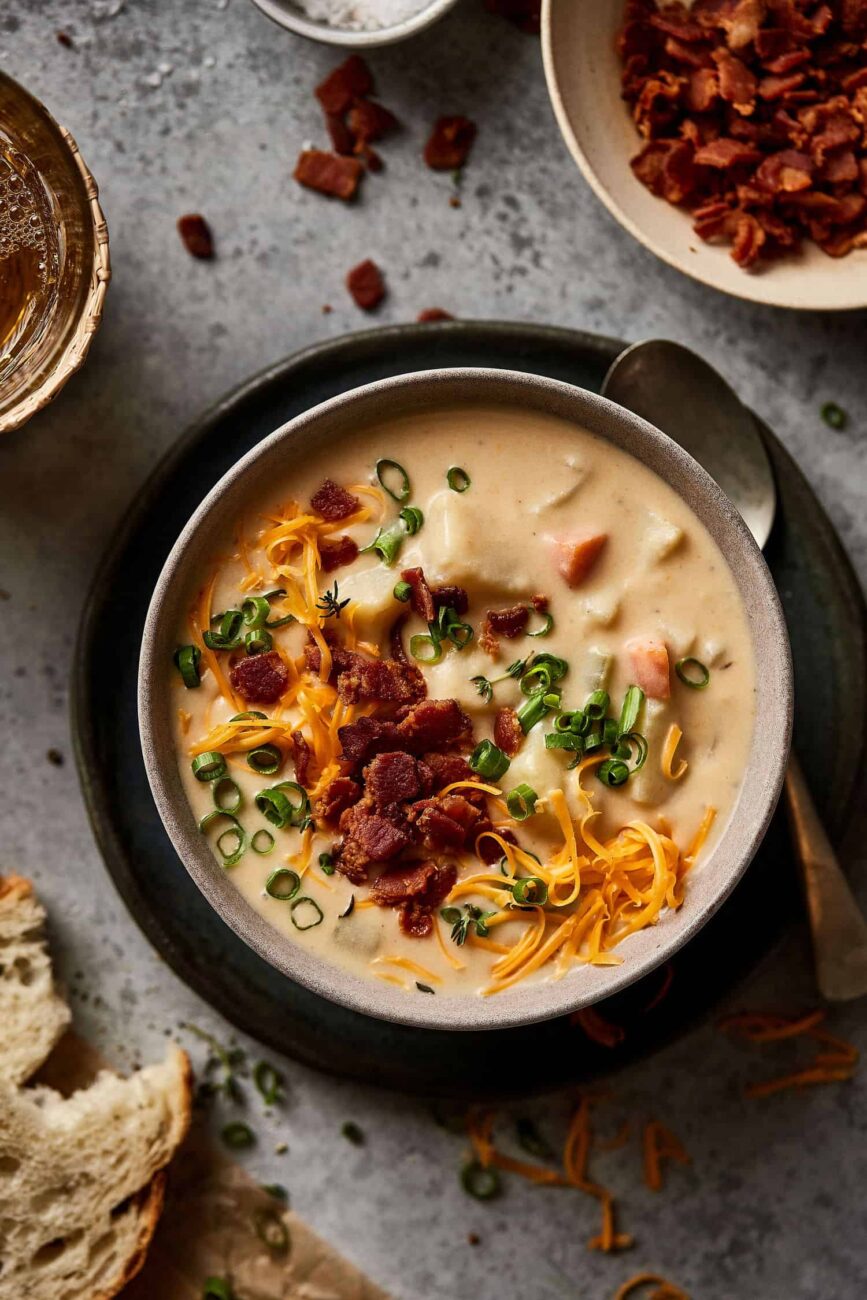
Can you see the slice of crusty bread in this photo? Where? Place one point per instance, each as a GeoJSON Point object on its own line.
{"type": "Point", "coordinates": [32, 1014]}
{"type": "Point", "coordinates": [81, 1180]}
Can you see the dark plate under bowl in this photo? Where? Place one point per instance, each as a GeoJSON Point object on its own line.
{"type": "Point", "coordinates": [828, 627]}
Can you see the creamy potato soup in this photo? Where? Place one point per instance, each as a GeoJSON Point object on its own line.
{"type": "Point", "coordinates": [465, 701]}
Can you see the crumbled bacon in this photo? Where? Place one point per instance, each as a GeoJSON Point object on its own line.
{"type": "Point", "coordinates": [366, 285]}
{"type": "Point", "coordinates": [450, 597]}
{"type": "Point", "coordinates": [421, 599]}
{"type": "Point", "coordinates": [489, 850]}
{"type": "Point", "coordinates": [196, 235]}
{"type": "Point", "coordinates": [351, 80]}
{"type": "Point", "coordinates": [332, 502]}
{"type": "Point", "coordinates": [368, 736]}
{"type": "Point", "coordinates": [368, 121]}
{"type": "Point", "coordinates": [753, 118]}
{"type": "Point", "coordinates": [361, 677]}
{"type": "Point", "coordinates": [329, 173]}
{"type": "Point", "coordinates": [303, 755]}
{"type": "Point", "coordinates": [417, 889]}
{"type": "Point", "coordinates": [508, 733]}
{"type": "Point", "coordinates": [395, 777]}
{"type": "Point", "coordinates": [435, 724]}
{"type": "Point", "coordinates": [429, 314]}
{"type": "Point", "coordinates": [336, 554]}
{"type": "Point", "coordinates": [450, 143]}
{"type": "Point", "coordinates": [502, 622]}
{"type": "Point", "coordinates": [260, 679]}
{"type": "Point", "coordinates": [341, 794]}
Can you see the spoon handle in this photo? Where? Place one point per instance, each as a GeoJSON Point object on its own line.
{"type": "Point", "coordinates": [837, 924]}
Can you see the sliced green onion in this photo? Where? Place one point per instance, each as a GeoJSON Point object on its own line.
{"type": "Point", "coordinates": [565, 740]}
{"type": "Point", "coordinates": [227, 795]}
{"type": "Point", "coordinates": [532, 711]}
{"type": "Point", "coordinates": [258, 641]}
{"type": "Point", "coordinates": [279, 809]}
{"type": "Point", "coordinates": [593, 740]}
{"type": "Point", "coordinates": [489, 761]}
{"type": "Point", "coordinates": [613, 772]}
{"type": "Point", "coordinates": [480, 1181]}
{"type": "Point", "coordinates": [348, 909]}
{"type": "Point", "coordinates": [628, 746]}
{"type": "Point", "coordinates": [312, 913]}
{"type": "Point", "coordinates": [458, 479]}
{"type": "Point", "coordinates": [521, 802]}
{"type": "Point", "coordinates": [272, 1231]}
{"type": "Point", "coordinates": [424, 988]}
{"type": "Point", "coordinates": [632, 702]}
{"type": "Point", "coordinates": [209, 766]}
{"type": "Point", "coordinates": [402, 591]}
{"type": "Point", "coordinates": [353, 1133]}
{"type": "Point", "coordinates": [231, 844]}
{"type": "Point", "coordinates": [574, 720]}
{"type": "Point", "coordinates": [262, 842]}
{"type": "Point", "coordinates": [692, 673]}
{"type": "Point", "coordinates": [448, 627]}
{"type": "Point", "coordinates": [547, 624]}
{"type": "Point", "coordinates": [530, 889]}
{"type": "Point", "coordinates": [217, 1288]}
{"type": "Point", "coordinates": [186, 659]}
{"type": "Point", "coordinates": [238, 1135]}
{"type": "Point", "coordinates": [326, 862]}
{"type": "Point", "coordinates": [834, 416]}
{"type": "Point", "coordinates": [412, 518]}
{"type": "Point", "coordinates": [542, 672]}
{"type": "Point", "coordinates": [249, 716]}
{"type": "Point", "coordinates": [267, 759]}
{"type": "Point", "coordinates": [392, 469]}
{"type": "Point", "coordinates": [228, 633]}
{"type": "Point", "coordinates": [425, 649]}
{"type": "Point", "coordinates": [269, 1081]}
{"type": "Point", "coordinates": [610, 732]}
{"type": "Point", "coordinates": [283, 884]}
{"type": "Point", "coordinates": [596, 706]}
{"type": "Point", "coordinates": [256, 611]}
{"type": "Point", "coordinates": [387, 543]}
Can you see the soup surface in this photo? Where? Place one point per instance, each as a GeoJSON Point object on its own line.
{"type": "Point", "coordinates": [462, 703]}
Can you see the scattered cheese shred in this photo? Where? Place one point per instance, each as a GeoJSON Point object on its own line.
{"type": "Point", "coordinates": [669, 749]}
{"type": "Point", "coordinates": [663, 1290]}
{"type": "Point", "coordinates": [836, 1065]}
{"type": "Point", "coordinates": [412, 966]}
{"type": "Point", "coordinates": [659, 1144]}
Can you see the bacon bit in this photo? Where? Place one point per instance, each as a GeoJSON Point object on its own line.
{"type": "Point", "coordinates": [433, 314]}
{"type": "Point", "coordinates": [260, 679]}
{"type": "Point", "coordinates": [351, 80]}
{"type": "Point", "coordinates": [450, 143]}
{"type": "Point", "coordinates": [303, 756]}
{"type": "Point", "coordinates": [454, 201]}
{"type": "Point", "coordinates": [659, 1144]}
{"type": "Point", "coordinates": [336, 554]}
{"type": "Point", "coordinates": [64, 39]}
{"type": "Point", "coordinates": [834, 1066]}
{"type": "Point", "coordinates": [421, 600]}
{"type": "Point", "coordinates": [597, 1028]}
{"type": "Point", "coordinates": [508, 733]}
{"type": "Point", "coordinates": [664, 1290]}
{"type": "Point", "coordinates": [366, 285]}
{"type": "Point", "coordinates": [368, 121]}
{"type": "Point", "coordinates": [332, 502]}
{"type": "Point", "coordinates": [342, 139]}
{"type": "Point", "coordinates": [525, 14]}
{"type": "Point", "coordinates": [196, 236]}
{"type": "Point", "coordinates": [329, 173]}
{"type": "Point", "coordinates": [508, 622]}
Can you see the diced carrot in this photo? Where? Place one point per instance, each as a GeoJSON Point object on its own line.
{"type": "Point", "coordinates": [650, 668]}
{"type": "Point", "coordinates": [574, 557]}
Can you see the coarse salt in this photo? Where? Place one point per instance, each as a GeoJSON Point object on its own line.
{"type": "Point", "coordinates": [361, 15]}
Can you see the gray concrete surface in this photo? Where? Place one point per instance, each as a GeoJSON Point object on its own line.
{"type": "Point", "coordinates": [199, 104]}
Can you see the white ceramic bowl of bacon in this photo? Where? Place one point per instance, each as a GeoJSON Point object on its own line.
{"type": "Point", "coordinates": [584, 69]}
{"type": "Point", "coordinates": [318, 432]}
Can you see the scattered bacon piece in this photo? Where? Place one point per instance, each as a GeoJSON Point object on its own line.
{"type": "Point", "coordinates": [489, 850]}
{"type": "Point", "coordinates": [351, 80]}
{"type": "Point", "coordinates": [752, 119]}
{"type": "Point", "coordinates": [260, 679]}
{"type": "Point", "coordinates": [450, 143]}
{"type": "Point", "coordinates": [395, 777]}
{"type": "Point", "coordinates": [368, 736]}
{"type": "Point", "coordinates": [508, 622]}
{"type": "Point", "coordinates": [525, 14]}
{"type": "Point", "coordinates": [368, 121]}
{"type": "Point", "coordinates": [436, 724]}
{"type": "Point", "coordinates": [342, 139]}
{"type": "Point", "coordinates": [433, 314]}
{"type": "Point", "coordinates": [329, 173]}
{"type": "Point", "coordinates": [451, 597]}
{"type": "Point", "coordinates": [508, 733]}
{"type": "Point", "coordinates": [196, 235]}
{"type": "Point", "coordinates": [445, 769]}
{"type": "Point", "coordinates": [63, 38]}
{"type": "Point", "coordinates": [421, 601]}
{"type": "Point", "coordinates": [366, 285]}
{"type": "Point", "coordinates": [303, 756]}
{"type": "Point", "coordinates": [333, 502]}
{"type": "Point", "coordinates": [574, 557]}
{"type": "Point", "coordinates": [336, 554]}
{"type": "Point", "coordinates": [360, 677]}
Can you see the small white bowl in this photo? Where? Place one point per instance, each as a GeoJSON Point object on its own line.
{"type": "Point", "coordinates": [583, 73]}
{"type": "Point", "coordinates": [289, 15]}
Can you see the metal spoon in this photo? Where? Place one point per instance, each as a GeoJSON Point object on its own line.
{"type": "Point", "coordinates": [676, 390]}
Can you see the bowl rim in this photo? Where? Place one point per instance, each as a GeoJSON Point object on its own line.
{"type": "Point", "coordinates": [282, 14]}
{"type": "Point", "coordinates": [764, 772]}
{"type": "Point", "coordinates": [695, 269]}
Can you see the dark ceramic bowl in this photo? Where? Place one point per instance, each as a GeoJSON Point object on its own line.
{"type": "Point", "coordinates": [763, 776]}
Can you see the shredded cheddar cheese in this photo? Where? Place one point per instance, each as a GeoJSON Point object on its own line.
{"type": "Point", "coordinates": [835, 1060]}
{"type": "Point", "coordinates": [659, 1144]}
{"type": "Point", "coordinates": [663, 1290]}
{"type": "Point", "coordinates": [669, 749]}
{"type": "Point", "coordinates": [412, 966]}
